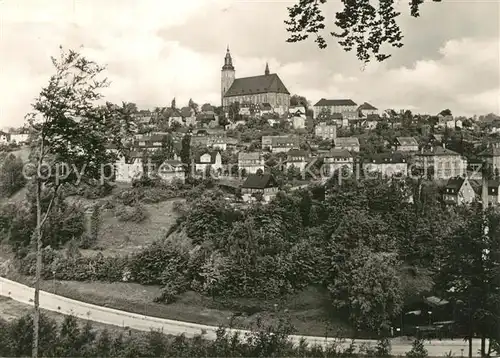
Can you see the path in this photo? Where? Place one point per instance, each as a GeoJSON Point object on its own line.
{"type": "Point", "coordinates": [63, 305]}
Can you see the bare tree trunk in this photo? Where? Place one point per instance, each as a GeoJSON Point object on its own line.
{"type": "Point", "coordinates": [38, 234]}
{"type": "Point", "coordinates": [483, 346]}
{"type": "Point", "coordinates": [470, 346]}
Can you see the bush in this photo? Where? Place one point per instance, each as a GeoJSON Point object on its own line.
{"type": "Point", "coordinates": [136, 213]}
{"type": "Point", "coordinates": [11, 176]}
{"type": "Point", "coordinates": [417, 350]}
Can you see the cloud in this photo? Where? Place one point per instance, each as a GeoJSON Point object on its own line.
{"type": "Point", "coordinates": [156, 50]}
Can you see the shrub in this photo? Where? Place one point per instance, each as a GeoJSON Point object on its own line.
{"type": "Point", "coordinates": [136, 213]}
{"type": "Point", "coordinates": [157, 263]}
{"type": "Point", "coordinates": [11, 176]}
{"type": "Point", "coordinates": [417, 350]}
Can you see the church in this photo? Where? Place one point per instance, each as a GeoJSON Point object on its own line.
{"type": "Point", "coordinates": [266, 88]}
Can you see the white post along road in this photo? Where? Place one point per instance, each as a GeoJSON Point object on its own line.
{"type": "Point", "coordinates": [64, 305]}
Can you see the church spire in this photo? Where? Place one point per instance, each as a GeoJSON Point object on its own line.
{"type": "Point", "coordinates": [228, 61]}
{"type": "Point", "coordinates": [266, 72]}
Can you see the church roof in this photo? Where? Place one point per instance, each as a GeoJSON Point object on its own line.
{"type": "Point", "coordinates": [256, 85]}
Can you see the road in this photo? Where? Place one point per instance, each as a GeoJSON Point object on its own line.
{"type": "Point", "coordinates": [63, 305]}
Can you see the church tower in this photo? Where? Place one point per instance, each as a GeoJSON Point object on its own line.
{"type": "Point", "coordinates": [227, 75]}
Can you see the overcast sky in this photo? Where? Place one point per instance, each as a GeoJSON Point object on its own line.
{"type": "Point", "coordinates": [157, 50]}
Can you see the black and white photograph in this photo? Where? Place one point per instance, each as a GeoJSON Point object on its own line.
{"type": "Point", "coordinates": [250, 178]}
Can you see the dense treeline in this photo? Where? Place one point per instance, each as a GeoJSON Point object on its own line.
{"type": "Point", "coordinates": [70, 339]}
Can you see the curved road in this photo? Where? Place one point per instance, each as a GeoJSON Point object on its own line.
{"type": "Point", "coordinates": [51, 302]}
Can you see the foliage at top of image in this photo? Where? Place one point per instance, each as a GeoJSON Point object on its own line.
{"type": "Point", "coordinates": [364, 27]}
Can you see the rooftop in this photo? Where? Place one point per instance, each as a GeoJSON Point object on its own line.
{"type": "Point", "coordinates": [256, 85]}
{"type": "Point", "coordinates": [334, 102]}
{"type": "Point", "coordinates": [259, 181]}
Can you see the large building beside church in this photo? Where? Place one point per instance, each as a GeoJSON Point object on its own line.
{"type": "Point", "coordinates": [266, 88]}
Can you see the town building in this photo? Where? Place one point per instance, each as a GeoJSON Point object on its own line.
{"type": "Point", "coordinates": [284, 144]}
{"type": "Point", "coordinates": [336, 159]}
{"type": "Point", "coordinates": [250, 163]}
{"type": "Point", "coordinates": [349, 143]}
{"type": "Point", "coordinates": [267, 88]}
{"type": "Point", "coordinates": [442, 162]}
{"type": "Point", "coordinates": [366, 109]}
{"type": "Point", "coordinates": [298, 122]}
{"type": "Point", "coordinates": [208, 161]}
{"type": "Point", "coordinates": [262, 184]}
{"type": "Point", "coordinates": [406, 144]}
{"type": "Point", "coordinates": [297, 159]}
{"type": "Point", "coordinates": [329, 106]}
{"type": "Point", "coordinates": [388, 164]}
{"type": "Point", "coordinates": [129, 167]}
{"type": "Point", "coordinates": [325, 131]}
{"type": "Point", "coordinates": [459, 191]}
{"type": "Point", "coordinates": [490, 192]}
{"type": "Point", "coordinates": [492, 155]}
{"type": "Point", "coordinates": [171, 170]}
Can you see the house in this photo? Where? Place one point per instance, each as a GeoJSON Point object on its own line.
{"type": "Point", "coordinates": [491, 190]}
{"type": "Point", "coordinates": [336, 159]}
{"type": "Point", "coordinates": [284, 144]}
{"type": "Point", "coordinates": [492, 155]}
{"type": "Point", "coordinates": [298, 122]}
{"type": "Point", "coordinates": [388, 164]}
{"type": "Point", "coordinates": [334, 106]}
{"type": "Point", "coordinates": [250, 163]}
{"type": "Point", "coordinates": [366, 108]}
{"type": "Point", "coordinates": [4, 137]}
{"type": "Point", "coordinates": [324, 131]}
{"type": "Point", "coordinates": [371, 121]}
{"type": "Point", "coordinates": [444, 163]}
{"type": "Point", "coordinates": [175, 117]}
{"type": "Point", "coordinates": [208, 160]}
{"type": "Point", "coordinates": [459, 191]}
{"type": "Point", "coordinates": [437, 138]}
{"type": "Point", "coordinates": [406, 144]}
{"type": "Point", "coordinates": [172, 170]}
{"type": "Point", "coordinates": [262, 184]}
{"type": "Point", "coordinates": [297, 158]}
{"type": "Point", "coordinates": [19, 138]}
{"type": "Point", "coordinates": [349, 143]}
{"type": "Point", "coordinates": [217, 143]}
{"type": "Point", "coordinates": [297, 111]}
{"type": "Point", "coordinates": [150, 142]}
{"type": "Point", "coordinates": [129, 167]}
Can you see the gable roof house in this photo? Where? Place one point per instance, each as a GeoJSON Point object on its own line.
{"type": "Point", "coordinates": [366, 109]}
{"type": "Point", "coordinates": [263, 184]}
{"type": "Point", "coordinates": [172, 170]}
{"type": "Point", "coordinates": [406, 144]}
{"type": "Point", "coordinates": [284, 144]}
{"type": "Point", "coordinates": [205, 160]}
{"type": "Point", "coordinates": [349, 143]}
{"type": "Point", "coordinates": [492, 155]}
{"type": "Point", "coordinates": [459, 191]}
{"type": "Point", "coordinates": [129, 167]}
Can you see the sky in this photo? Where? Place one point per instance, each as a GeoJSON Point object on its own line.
{"type": "Point", "coordinates": [156, 50]}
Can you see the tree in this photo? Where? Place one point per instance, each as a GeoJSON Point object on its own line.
{"type": "Point", "coordinates": [363, 26]}
{"type": "Point", "coordinates": [445, 112]}
{"type": "Point", "coordinates": [70, 133]}
{"type": "Point", "coordinates": [473, 285]}
{"type": "Point", "coordinates": [11, 175]}
{"type": "Point", "coordinates": [297, 100]}
{"type": "Point", "coordinates": [193, 105]}
{"type": "Point", "coordinates": [172, 105]}
{"type": "Point", "coordinates": [234, 111]}
{"type": "Point", "coordinates": [186, 152]}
